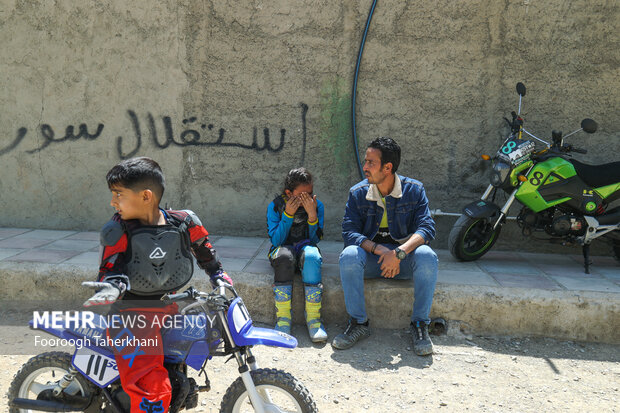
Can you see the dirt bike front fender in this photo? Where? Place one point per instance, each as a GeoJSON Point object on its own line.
{"type": "Point", "coordinates": [267, 337]}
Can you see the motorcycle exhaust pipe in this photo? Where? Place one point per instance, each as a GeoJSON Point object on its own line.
{"type": "Point", "coordinates": [47, 405]}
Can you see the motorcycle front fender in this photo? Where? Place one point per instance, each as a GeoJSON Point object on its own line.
{"type": "Point", "coordinates": [481, 209]}
{"type": "Point", "coordinates": [245, 334]}
{"type": "Point", "coordinates": [267, 337]}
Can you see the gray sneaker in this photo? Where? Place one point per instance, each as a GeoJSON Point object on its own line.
{"type": "Point", "coordinates": [422, 344]}
{"type": "Point", "coordinates": [351, 335]}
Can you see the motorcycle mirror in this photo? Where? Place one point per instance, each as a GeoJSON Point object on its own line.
{"type": "Point", "coordinates": [589, 125]}
{"type": "Point", "coordinates": [521, 89]}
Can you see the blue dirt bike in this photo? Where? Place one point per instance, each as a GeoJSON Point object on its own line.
{"type": "Point", "coordinates": [212, 324]}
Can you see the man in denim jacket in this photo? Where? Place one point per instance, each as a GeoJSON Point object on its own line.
{"type": "Point", "coordinates": [386, 229]}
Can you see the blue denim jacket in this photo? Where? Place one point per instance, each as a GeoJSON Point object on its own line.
{"type": "Point", "coordinates": [407, 212]}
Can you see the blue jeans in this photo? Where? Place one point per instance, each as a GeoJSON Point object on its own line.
{"type": "Point", "coordinates": [356, 265]}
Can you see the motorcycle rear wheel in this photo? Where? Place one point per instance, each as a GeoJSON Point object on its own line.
{"type": "Point", "coordinates": [41, 373]}
{"type": "Point", "coordinates": [286, 392]}
{"type": "Point", "coordinates": [471, 238]}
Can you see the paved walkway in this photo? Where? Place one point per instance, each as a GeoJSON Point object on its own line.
{"type": "Point", "coordinates": [502, 293]}
{"type": "Point", "coordinates": [249, 255]}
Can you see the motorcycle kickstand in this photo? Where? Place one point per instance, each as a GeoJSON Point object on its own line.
{"type": "Point", "coordinates": [586, 257]}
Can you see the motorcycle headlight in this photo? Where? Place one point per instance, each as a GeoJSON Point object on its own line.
{"type": "Point", "coordinates": [500, 172]}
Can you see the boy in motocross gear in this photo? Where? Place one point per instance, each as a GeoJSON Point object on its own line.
{"type": "Point", "coordinates": [295, 226]}
{"type": "Point", "coordinates": [146, 253]}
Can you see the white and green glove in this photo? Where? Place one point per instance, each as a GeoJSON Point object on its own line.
{"type": "Point", "coordinates": [106, 291]}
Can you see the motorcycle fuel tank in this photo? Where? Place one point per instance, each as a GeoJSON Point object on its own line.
{"type": "Point", "coordinates": [550, 172]}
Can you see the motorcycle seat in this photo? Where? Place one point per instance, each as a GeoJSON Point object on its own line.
{"type": "Point", "coordinates": [596, 176]}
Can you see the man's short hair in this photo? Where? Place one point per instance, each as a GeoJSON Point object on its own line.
{"type": "Point", "coordinates": [138, 174]}
{"type": "Point", "coordinates": [296, 177]}
{"type": "Point", "coordinates": [390, 151]}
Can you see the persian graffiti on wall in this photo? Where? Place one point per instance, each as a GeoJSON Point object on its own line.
{"type": "Point", "coordinates": [192, 133]}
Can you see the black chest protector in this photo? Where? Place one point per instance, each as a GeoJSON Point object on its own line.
{"type": "Point", "coordinates": [158, 259]}
{"type": "Point", "coordinates": [299, 229]}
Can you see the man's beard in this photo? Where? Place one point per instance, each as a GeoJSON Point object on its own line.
{"type": "Point", "coordinates": [372, 180]}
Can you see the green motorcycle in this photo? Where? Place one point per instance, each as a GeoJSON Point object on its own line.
{"type": "Point", "coordinates": [562, 197]}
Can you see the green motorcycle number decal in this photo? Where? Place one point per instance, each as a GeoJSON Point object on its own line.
{"type": "Point", "coordinates": [536, 178]}
{"type": "Point", "coordinates": [509, 147]}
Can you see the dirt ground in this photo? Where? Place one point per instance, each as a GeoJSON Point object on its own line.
{"type": "Point", "coordinates": [382, 374]}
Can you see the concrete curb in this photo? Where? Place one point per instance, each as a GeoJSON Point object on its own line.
{"type": "Point", "coordinates": [583, 315]}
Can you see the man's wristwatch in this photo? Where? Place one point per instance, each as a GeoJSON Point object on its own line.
{"type": "Point", "coordinates": [400, 254]}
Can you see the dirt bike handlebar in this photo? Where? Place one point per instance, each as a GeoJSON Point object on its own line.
{"type": "Point", "coordinates": [191, 292]}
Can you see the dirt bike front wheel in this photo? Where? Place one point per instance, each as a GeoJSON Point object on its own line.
{"type": "Point", "coordinates": [471, 238]}
{"type": "Point", "coordinates": [38, 377]}
{"type": "Point", "coordinates": [280, 391]}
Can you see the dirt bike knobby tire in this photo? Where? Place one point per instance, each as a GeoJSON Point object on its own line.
{"type": "Point", "coordinates": [272, 377]}
{"type": "Point", "coordinates": [51, 359]}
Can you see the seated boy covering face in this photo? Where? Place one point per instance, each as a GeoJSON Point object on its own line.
{"type": "Point", "coordinates": [146, 253]}
{"type": "Point", "coordinates": [295, 227]}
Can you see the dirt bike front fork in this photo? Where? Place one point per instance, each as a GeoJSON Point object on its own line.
{"type": "Point", "coordinates": [255, 398]}
{"type": "Point", "coordinates": [251, 360]}
{"type": "Point", "coordinates": [505, 208]}
{"type": "Point", "coordinates": [487, 192]}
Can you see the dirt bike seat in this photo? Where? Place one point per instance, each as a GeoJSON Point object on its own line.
{"type": "Point", "coordinates": [596, 176]}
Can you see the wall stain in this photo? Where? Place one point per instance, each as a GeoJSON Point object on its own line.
{"type": "Point", "coordinates": [335, 124]}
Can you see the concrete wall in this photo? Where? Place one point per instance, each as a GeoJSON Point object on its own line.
{"type": "Point", "coordinates": [229, 95]}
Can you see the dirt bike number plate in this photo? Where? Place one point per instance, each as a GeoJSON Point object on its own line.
{"type": "Point", "coordinates": [516, 150]}
{"type": "Point", "coordinates": [98, 368]}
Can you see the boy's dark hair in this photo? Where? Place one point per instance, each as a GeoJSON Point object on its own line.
{"type": "Point", "coordinates": [390, 151]}
{"type": "Point", "coordinates": [138, 174]}
{"type": "Point", "coordinates": [296, 177]}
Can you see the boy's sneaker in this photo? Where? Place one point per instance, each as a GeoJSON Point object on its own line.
{"type": "Point", "coordinates": [422, 344]}
{"type": "Point", "coordinates": [351, 335]}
